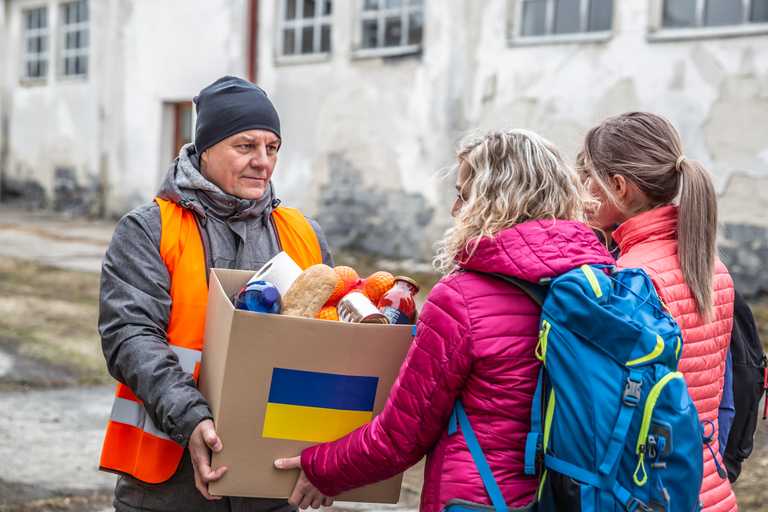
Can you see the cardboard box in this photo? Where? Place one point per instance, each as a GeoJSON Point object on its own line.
{"type": "Point", "coordinates": [260, 372]}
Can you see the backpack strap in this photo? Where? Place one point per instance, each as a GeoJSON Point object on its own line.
{"type": "Point", "coordinates": [537, 292]}
{"type": "Point", "coordinates": [534, 447]}
{"type": "Point", "coordinates": [459, 418]}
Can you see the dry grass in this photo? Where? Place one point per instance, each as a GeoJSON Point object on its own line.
{"type": "Point", "coordinates": [49, 315]}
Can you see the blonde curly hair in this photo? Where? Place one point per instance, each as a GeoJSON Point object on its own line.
{"type": "Point", "coordinates": [512, 177]}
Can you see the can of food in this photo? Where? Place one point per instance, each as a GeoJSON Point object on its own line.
{"type": "Point", "coordinates": [355, 307]}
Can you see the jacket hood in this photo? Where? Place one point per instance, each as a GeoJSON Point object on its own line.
{"type": "Point", "coordinates": [538, 249]}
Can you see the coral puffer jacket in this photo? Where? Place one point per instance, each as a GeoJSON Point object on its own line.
{"type": "Point", "coordinates": [649, 241]}
{"type": "Point", "coordinates": [475, 341]}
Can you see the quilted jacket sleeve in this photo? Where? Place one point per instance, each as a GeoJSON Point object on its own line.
{"type": "Point", "coordinates": [418, 407]}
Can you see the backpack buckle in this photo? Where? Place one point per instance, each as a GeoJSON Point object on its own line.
{"type": "Point", "coordinates": [632, 392]}
{"type": "Point", "coordinates": [635, 505]}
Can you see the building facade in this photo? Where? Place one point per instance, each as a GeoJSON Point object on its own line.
{"type": "Point", "coordinates": [375, 94]}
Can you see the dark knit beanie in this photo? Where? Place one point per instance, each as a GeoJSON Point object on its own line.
{"type": "Point", "coordinates": [232, 105]}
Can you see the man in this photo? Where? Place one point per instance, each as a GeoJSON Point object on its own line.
{"type": "Point", "coordinates": [216, 208]}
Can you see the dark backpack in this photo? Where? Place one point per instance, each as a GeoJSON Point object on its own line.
{"type": "Point", "coordinates": [749, 385]}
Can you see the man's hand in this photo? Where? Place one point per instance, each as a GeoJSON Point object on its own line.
{"type": "Point", "coordinates": [304, 493]}
{"type": "Point", "coordinates": [201, 442]}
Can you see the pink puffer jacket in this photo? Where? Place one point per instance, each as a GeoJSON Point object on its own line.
{"type": "Point", "coordinates": [475, 341]}
{"type": "Point", "coordinates": [649, 241]}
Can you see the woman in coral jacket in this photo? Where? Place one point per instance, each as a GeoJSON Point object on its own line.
{"type": "Point", "coordinates": [518, 212]}
{"type": "Point", "coordinates": [635, 165]}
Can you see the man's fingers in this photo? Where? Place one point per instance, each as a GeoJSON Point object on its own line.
{"type": "Point", "coordinates": [317, 501]}
{"type": "Point", "coordinates": [203, 488]}
{"type": "Point", "coordinates": [327, 501]}
{"type": "Point", "coordinates": [216, 474]}
{"type": "Point", "coordinates": [212, 440]}
{"type": "Point", "coordinates": [291, 463]}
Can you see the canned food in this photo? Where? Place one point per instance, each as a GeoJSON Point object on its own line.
{"type": "Point", "coordinates": [355, 307]}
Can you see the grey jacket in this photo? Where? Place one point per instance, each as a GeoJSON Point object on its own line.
{"type": "Point", "coordinates": [135, 305]}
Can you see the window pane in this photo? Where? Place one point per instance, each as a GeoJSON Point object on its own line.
{"type": "Point", "coordinates": [85, 36]}
{"type": "Point", "coordinates": [567, 16]}
{"type": "Point", "coordinates": [679, 13]}
{"type": "Point", "coordinates": [307, 39]}
{"type": "Point", "coordinates": [415, 27]}
{"type": "Point", "coordinates": [185, 124]}
{"type": "Point", "coordinates": [325, 38]}
{"type": "Point", "coordinates": [327, 7]}
{"type": "Point", "coordinates": [370, 34]}
{"type": "Point", "coordinates": [42, 67]}
{"type": "Point", "coordinates": [309, 9]}
{"type": "Point", "coordinates": [600, 15]}
{"type": "Point", "coordinates": [289, 43]}
{"type": "Point", "coordinates": [84, 11]}
{"type": "Point", "coordinates": [393, 4]}
{"type": "Point", "coordinates": [370, 5]}
{"type": "Point", "coordinates": [723, 12]}
{"type": "Point", "coordinates": [416, 2]}
{"type": "Point", "coordinates": [759, 12]}
{"type": "Point", "coordinates": [393, 31]}
{"type": "Point", "coordinates": [290, 9]}
{"type": "Point", "coordinates": [534, 18]}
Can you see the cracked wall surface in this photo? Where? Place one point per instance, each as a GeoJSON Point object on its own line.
{"type": "Point", "coordinates": [395, 120]}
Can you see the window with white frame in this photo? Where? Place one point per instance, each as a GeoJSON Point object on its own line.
{"type": "Point", "coordinates": [392, 24]}
{"type": "Point", "coordinates": [561, 17]}
{"type": "Point", "coordinates": [35, 43]}
{"type": "Point", "coordinates": [75, 37]}
{"type": "Point", "coordinates": [305, 27]}
{"type": "Point", "coordinates": [712, 13]}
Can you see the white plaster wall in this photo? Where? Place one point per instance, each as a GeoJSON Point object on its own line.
{"type": "Point", "coordinates": [173, 49]}
{"type": "Point", "coordinates": [110, 126]}
{"type": "Point", "coordinates": [396, 119]}
{"type": "Point", "coordinates": [389, 117]}
{"type": "Point", "coordinates": [53, 123]}
{"type": "Point", "coordinates": [399, 119]}
{"type": "Point", "coordinates": [714, 90]}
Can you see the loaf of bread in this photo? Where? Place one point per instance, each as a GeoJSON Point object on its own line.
{"type": "Point", "coordinates": [310, 291]}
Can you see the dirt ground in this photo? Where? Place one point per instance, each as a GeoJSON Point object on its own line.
{"type": "Point", "coordinates": [49, 344]}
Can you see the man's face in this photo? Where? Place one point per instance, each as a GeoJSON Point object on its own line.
{"type": "Point", "coordinates": [242, 165]}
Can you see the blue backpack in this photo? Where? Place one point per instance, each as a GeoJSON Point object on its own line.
{"type": "Point", "coordinates": [612, 425]}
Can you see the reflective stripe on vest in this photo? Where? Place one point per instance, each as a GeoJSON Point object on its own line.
{"type": "Point", "coordinates": [133, 444]}
{"type": "Point", "coordinates": [130, 412]}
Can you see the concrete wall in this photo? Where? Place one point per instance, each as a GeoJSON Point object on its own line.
{"type": "Point", "coordinates": [364, 137]}
{"type": "Point", "coordinates": [394, 122]}
{"type": "Point", "coordinates": [109, 126]}
{"type": "Point", "coordinates": [173, 49]}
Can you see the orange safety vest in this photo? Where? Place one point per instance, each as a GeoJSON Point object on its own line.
{"type": "Point", "coordinates": [133, 444]}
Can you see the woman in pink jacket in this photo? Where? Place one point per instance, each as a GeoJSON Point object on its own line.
{"type": "Point", "coordinates": [635, 165]}
{"type": "Point", "coordinates": [518, 212]}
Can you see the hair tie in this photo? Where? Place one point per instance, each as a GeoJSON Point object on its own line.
{"type": "Point", "coordinates": [679, 162]}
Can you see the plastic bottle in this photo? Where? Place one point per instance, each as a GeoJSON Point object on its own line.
{"type": "Point", "coordinates": [399, 304]}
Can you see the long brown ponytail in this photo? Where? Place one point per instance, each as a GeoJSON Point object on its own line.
{"type": "Point", "coordinates": [646, 149]}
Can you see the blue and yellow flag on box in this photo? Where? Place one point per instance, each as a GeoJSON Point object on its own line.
{"type": "Point", "coordinates": [317, 407]}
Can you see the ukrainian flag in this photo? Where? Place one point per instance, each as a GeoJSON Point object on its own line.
{"type": "Point", "coordinates": [317, 407]}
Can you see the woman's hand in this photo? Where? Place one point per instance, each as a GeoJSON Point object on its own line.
{"type": "Point", "coordinates": [304, 494]}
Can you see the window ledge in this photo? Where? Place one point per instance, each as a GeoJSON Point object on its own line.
{"type": "Point", "coordinates": [581, 37]}
{"type": "Point", "coordinates": [302, 58]}
{"type": "Point", "coordinates": [65, 79]}
{"type": "Point", "coordinates": [33, 82]}
{"type": "Point", "coordinates": [686, 34]}
{"type": "Point", "coordinates": [394, 51]}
